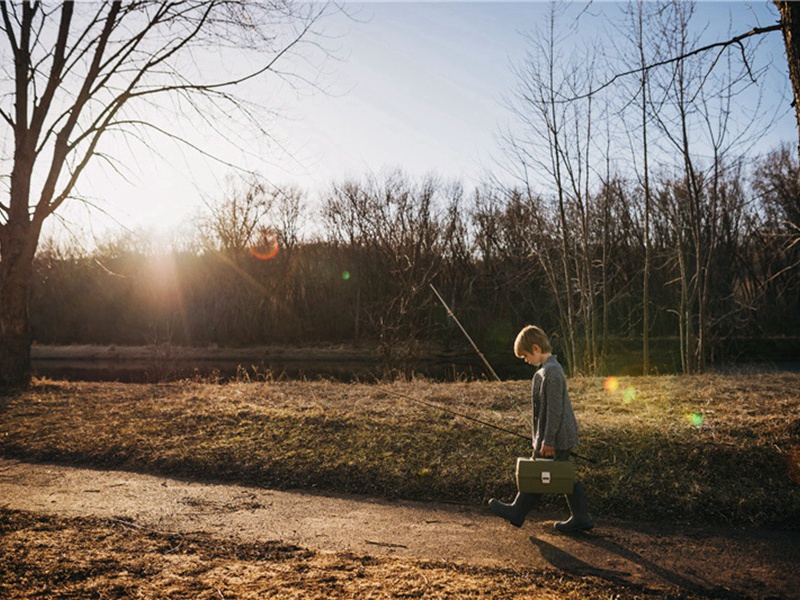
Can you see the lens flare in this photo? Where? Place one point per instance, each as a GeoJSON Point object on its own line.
{"type": "Point", "coordinates": [611, 384]}
{"type": "Point", "coordinates": [629, 395]}
{"type": "Point", "coordinates": [696, 419]}
{"type": "Point", "coordinates": [267, 247]}
{"type": "Point", "coordinates": [346, 275]}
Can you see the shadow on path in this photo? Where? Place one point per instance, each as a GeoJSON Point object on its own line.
{"type": "Point", "coordinates": [610, 552]}
{"type": "Point", "coordinates": [565, 561]}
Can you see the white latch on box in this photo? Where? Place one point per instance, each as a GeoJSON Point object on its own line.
{"type": "Point", "coordinates": [545, 476]}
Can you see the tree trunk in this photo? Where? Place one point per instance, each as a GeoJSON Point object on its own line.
{"type": "Point", "coordinates": [790, 21]}
{"type": "Point", "coordinates": [646, 274]}
{"type": "Point", "coordinates": [19, 237]}
{"type": "Point", "coordinates": [16, 264]}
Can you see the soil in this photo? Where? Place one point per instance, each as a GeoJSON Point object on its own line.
{"type": "Point", "coordinates": [340, 531]}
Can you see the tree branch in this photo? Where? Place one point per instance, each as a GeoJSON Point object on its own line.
{"type": "Point", "coordinates": [8, 28]}
{"type": "Point", "coordinates": [733, 41]}
{"type": "Point", "coordinates": [62, 145]}
{"type": "Point", "coordinates": [56, 71]}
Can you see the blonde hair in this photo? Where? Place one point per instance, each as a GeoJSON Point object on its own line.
{"type": "Point", "coordinates": [530, 335]}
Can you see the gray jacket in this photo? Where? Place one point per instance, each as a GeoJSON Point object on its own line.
{"type": "Point", "coordinates": [554, 421]}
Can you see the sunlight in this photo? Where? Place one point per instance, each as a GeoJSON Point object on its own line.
{"type": "Point", "coordinates": [163, 283]}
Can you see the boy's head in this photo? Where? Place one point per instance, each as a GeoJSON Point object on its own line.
{"type": "Point", "coordinates": [530, 335]}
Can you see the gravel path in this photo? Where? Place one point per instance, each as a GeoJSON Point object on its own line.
{"type": "Point", "coordinates": [749, 563]}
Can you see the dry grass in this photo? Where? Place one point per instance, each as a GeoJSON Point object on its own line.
{"type": "Point", "coordinates": [108, 559]}
{"type": "Point", "coordinates": [699, 449]}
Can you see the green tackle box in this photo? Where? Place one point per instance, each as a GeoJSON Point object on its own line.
{"type": "Point", "coordinates": [545, 476]}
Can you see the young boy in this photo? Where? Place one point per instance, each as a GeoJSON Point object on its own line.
{"type": "Point", "coordinates": [555, 430]}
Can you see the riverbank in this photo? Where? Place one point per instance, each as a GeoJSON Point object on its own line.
{"type": "Point", "coordinates": [339, 362]}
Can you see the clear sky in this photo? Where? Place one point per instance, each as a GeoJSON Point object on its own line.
{"type": "Point", "coordinates": [418, 86]}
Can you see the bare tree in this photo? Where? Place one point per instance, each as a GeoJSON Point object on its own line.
{"type": "Point", "coordinates": [234, 222]}
{"type": "Point", "coordinates": [640, 21]}
{"type": "Point", "coordinates": [287, 215]}
{"type": "Point", "coordinates": [505, 223]}
{"type": "Point", "coordinates": [693, 110]}
{"type": "Point", "coordinates": [790, 27]}
{"type": "Point", "coordinates": [775, 255]}
{"type": "Point", "coordinates": [684, 100]}
{"type": "Point", "coordinates": [84, 74]}
{"type": "Point", "coordinates": [555, 149]}
{"type": "Point", "coordinates": [401, 234]}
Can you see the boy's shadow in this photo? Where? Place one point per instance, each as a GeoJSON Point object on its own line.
{"type": "Point", "coordinates": [567, 562]}
{"type": "Point", "coordinates": [564, 561]}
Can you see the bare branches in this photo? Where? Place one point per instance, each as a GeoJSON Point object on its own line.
{"type": "Point", "coordinates": [81, 70]}
{"type": "Point", "coordinates": [102, 60]}
{"type": "Point", "coordinates": [735, 41]}
{"type": "Point", "coordinates": [8, 28]}
{"type": "Point", "coordinates": [54, 80]}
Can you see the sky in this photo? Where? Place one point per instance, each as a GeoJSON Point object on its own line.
{"type": "Point", "coordinates": [417, 86]}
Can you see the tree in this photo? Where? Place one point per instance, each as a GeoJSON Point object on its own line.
{"type": "Point", "coordinates": [692, 101]}
{"type": "Point", "coordinates": [86, 74]}
{"type": "Point", "coordinates": [790, 27]}
{"type": "Point", "coordinates": [638, 27]}
{"type": "Point", "coordinates": [554, 143]}
{"type": "Point", "coordinates": [233, 222]}
{"type": "Point", "coordinates": [401, 235]}
{"type": "Point", "coordinates": [694, 116]}
{"type": "Point", "coordinates": [776, 251]}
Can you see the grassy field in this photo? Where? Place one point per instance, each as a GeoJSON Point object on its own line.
{"type": "Point", "coordinates": [704, 449]}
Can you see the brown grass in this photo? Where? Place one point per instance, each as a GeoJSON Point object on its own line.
{"type": "Point", "coordinates": [699, 449]}
{"type": "Point", "coordinates": [49, 557]}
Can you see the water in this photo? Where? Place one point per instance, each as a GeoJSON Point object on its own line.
{"type": "Point", "coordinates": [150, 371]}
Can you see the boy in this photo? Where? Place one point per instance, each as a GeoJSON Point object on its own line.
{"type": "Point", "coordinates": [555, 430]}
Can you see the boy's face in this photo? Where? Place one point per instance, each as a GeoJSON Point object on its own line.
{"type": "Point", "coordinates": [534, 357]}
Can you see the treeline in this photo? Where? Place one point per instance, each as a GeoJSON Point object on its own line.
{"type": "Point", "coordinates": [501, 257]}
{"type": "Point", "coordinates": [629, 208]}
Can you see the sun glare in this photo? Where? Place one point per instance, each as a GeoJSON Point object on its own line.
{"type": "Point", "coordinates": [163, 284]}
{"type": "Point", "coordinates": [611, 384]}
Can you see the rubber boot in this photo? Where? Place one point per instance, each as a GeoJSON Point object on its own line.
{"type": "Point", "coordinates": [515, 512]}
{"type": "Point", "coordinates": [580, 520]}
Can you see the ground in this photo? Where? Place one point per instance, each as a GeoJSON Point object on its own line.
{"type": "Point", "coordinates": [350, 546]}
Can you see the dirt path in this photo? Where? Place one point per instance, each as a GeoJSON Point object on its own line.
{"type": "Point", "coordinates": [749, 563]}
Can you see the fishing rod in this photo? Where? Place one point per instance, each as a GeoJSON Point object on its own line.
{"type": "Point", "coordinates": [473, 419]}
{"type": "Point", "coordinates": [450, 313]}
{"type": "Point", "coordinates": [457, 414]}
{"type": "Point", "coordinates": [464, 331]}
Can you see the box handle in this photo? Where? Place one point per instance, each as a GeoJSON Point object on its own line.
{"type": "Point", "coordinates": [545, 477]}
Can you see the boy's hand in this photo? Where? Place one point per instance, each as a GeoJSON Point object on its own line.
{"type": "Point", "coordinates": [547, 451]}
